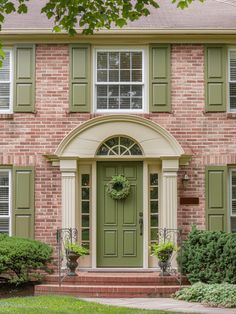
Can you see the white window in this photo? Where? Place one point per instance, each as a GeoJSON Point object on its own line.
{"type": "Point", "coordinates": [233, 200]}
{"type": "Point", "coordinates": [5, 201]}
{"type": "Point", "coordinates": [119, 80]}
{"type": "Point", "coordinates": [232, 80]}
{"type": "Point", "coordinates": [6, 83]}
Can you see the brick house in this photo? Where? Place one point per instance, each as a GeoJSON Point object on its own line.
{"type": "Point", "coordinates": [155, 101]}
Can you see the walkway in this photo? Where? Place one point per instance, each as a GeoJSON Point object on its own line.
{"type": "Point", "coordinates": [164, 304]}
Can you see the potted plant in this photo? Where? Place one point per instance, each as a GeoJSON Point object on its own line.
{"type": "Point", "coordinates": [73, 252]}
{"type": "Point", "coordinates": [163, 252]}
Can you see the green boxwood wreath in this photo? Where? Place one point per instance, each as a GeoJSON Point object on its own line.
{"type": "Point", "coordinates": [119, 187]}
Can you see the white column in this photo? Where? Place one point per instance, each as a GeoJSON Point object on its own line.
{"type": "Point", "coordinates": [68, 177]}
{"type": "Point", "coordinates": [168, 217]}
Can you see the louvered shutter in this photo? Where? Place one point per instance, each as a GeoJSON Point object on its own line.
{"type": "Point", "coordinates": [80, 78]}
{"type": "Point", "coordinates": [159, 78]}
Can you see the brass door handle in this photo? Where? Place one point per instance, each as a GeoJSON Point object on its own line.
{"type": "Point", "coordinates": [141, 222]}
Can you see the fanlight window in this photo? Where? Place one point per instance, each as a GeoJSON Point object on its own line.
{"type": "Point", "coordinates": [119, 146]}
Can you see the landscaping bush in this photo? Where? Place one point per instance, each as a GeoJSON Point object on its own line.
{"type": "Point", "coordinates": [209, 257]}
{"type": "Point", "coordinates": [21, 259]}
{"type": "Point", "coordinates": [222, 295]}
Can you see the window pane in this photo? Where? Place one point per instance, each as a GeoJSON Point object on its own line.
{"type": "Point", "coordinates": [85, 207]}
{"type": "Point", "coordinates": [125, 90]}
{"type": "Point", "coordinates": [234, 178]}
{"type": "Point", "coordinates": [135, 150]}
{"type": "Point", "coordinates": [234, 192]}
{"type": "Point", "coordinates": [103, 150]}
{"type": "Point", "coordinates": [154, 193]}
{"type": "Point", "coordinates": [232, 93]}
{"type": "Point", "coordinates": [4, 178]}
{"type": "Point", "coordinates": [125, 60]}
{"type": "Point", "coordinates": [102, 75]}
{"type": "Point", "coordinates": [154, 234]}
{"type": "Point", "coordinates": [233, 65]}
{"type": "Point", "coordinates": [4, 103]}
{"type": "Point", "coordinates": [4, 194]}
{"type": "Point", "coordinates": [137, 76]}
{"type": "Point", "coordinates": [114, 60]}
{"type": "Point", "coordinates": [234, 207]}
{"type": "Point", "coordinates": [113, 90]}
{"type": "Point", "coordinates": [85, 193]}
{"type": "Point", "coordinates": [136, 60]}
{"type": "Point", "coordinates": [85, 234]}
{"type": "Point", "coordinates": [137, 90]}
{"type": "Point", "coordinates": [125, 75]}
{"type": "Point", "coordinates": [102, 90]}
{"type": "Point", "coordinates": [125, 141]}
{"type": "Point", "coordinates": [102, 60]}
{"type": "Point", "coordinates": [85, 221]}
{"type": "Point", "coordinates": [136, 103]}
{"type": "Point", "coordinates": [233, 224]}
{"type": "Point", "coordinates": [113, 103]}
{"type": "Point", "coordinates": [113, 76]}
{"type": "Point", "coordinates": [4, 209]}
{"type": "Point", "coordinates": [85, 179]}
{"type": "Point", "coordinates": [5, 69]}
{"type": "Point", "coordinates": [154, 221]}
{"type": "Point", "coordinates": [112, 141]}
{"type": "Point", "coordinates": [102, 103]}
{"type": "Point", "coordinates": [124, 103]}
{"type": "Point", "coordinates": [154, 207]}
{"type": "Point", "coordinates": [153, 179]}
{"type": "Point", "coordinates": [4, 225]}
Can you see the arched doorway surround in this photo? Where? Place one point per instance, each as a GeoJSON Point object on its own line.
{"type": "Point", "coordinates": [160, 156]}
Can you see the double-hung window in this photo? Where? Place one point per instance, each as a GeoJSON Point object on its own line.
{"type": "Point", "coordinates": [5, 201]}
{"type": "Point", "coordinates": [233, 200]}
{"type": "Point", "coordinates": [6, 83]}
{"type": "Point", "coordinates": [119, 80]}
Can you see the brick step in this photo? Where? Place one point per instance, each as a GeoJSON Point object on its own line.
{"type": "Point", "coordinates": [117, 279]}
{"type": "Point", "coordinates": [107, 291]}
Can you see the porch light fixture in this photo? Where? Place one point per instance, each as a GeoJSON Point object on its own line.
{"type": "Point", "coordinates": [185, 180]}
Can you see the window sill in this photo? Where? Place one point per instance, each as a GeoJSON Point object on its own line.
{"type": "Point", "coordinates": [231, 115]}
{"type": "Point", "coordinates": [6, 116]}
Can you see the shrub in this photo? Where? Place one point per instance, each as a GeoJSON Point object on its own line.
{"type": "Point", "coordinates": [22, 258]}
{"type": "Point", "coordinates": [209, 257]}
{"type": "Point", "coordinates": [222, 295]}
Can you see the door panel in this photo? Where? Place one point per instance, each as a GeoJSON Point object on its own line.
{"type": "Point", "coordinates": [119, 243]}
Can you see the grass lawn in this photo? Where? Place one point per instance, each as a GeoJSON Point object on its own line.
{"type": "Point", "coordinates": [61, 305]}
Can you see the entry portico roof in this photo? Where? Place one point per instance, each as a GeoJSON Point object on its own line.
{"type": "Point", "coordinates": [155, 141]}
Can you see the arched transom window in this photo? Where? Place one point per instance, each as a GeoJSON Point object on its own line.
{"type": "Point", "coordinates": [119, 146]}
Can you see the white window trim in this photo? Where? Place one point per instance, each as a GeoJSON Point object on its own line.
{"type": "Point", "coordinates": [145, 63]}
{"type": "Point", "coordinates": [10, 109]}
{"type": "Point", "coordinates": [229, 81]}
{"type": "Point", "coordinates": [9, 216]}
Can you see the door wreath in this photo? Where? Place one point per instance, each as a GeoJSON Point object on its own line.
{"type": "Point", "coordinates": [119, 187]}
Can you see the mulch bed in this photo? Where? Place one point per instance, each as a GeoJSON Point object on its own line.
{"type": "Point", "coordinates": [9, 291]}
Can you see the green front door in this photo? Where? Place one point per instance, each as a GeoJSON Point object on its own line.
{"type": "Point", "coordinates": [119, 233]}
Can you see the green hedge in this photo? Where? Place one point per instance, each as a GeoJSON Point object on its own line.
{"type": "Point", "coordinates": [209, 257]}
{"type": "Point", "coordinates": [222, 295]}
{"type": "Point", "coordinates": [22, 259]}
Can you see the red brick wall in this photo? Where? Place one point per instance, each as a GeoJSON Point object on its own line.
{"type": "Point", "coordinates": [25, 138]}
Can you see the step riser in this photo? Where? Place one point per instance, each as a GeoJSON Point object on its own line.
{"type": "Point", "coordinates": [116, 281]}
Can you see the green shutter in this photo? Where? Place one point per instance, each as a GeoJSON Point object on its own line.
{"type": "Point", "coordinates": [24, 78]}
{"type": "Point", "coordinates": [80, 78]}
{"type": "Point", "coordinates": [215, 78]}
{"type": "Point", "coordinates": [216, 198]}
{"type": "Point", "coordinates": [160, 78]}
{"type": "Point", "coordinates": [23, 202]}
